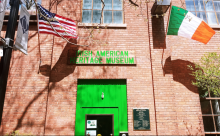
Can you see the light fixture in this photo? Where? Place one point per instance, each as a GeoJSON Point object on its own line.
{"type": "Point", "coordinates": [123, 134]}
{"type": "Point", "coordinates": [102, 96]}
{"type": "Point", "coordinates": [160, 7]}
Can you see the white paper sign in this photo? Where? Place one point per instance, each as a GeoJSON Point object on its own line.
{"type": "Point", "coordinates": [1, 51]}
{"type": "Point", "coordinates": [91, 123]}
{"type": "Point", "coordinates": [2, 12]}
{"type": "Point", "coordinates": [90, 132]}
{"type": "Point", "coordinates": [22, 32]}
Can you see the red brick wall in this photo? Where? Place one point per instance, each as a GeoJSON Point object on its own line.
{"type": "Point", "coordinates": [45, 103]}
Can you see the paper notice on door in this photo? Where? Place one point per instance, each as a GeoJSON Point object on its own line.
{"type": "Point", "coordinates": [90, 132]}
{"type": "Point", "coordinates": [91, 123]}
{"type": "Point", "coordinates": [1, 51]}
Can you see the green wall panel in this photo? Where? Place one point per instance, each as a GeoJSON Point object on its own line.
{"type": "Point", "coordinates": [115, 102]}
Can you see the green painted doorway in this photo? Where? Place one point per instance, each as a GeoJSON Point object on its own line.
{"type": "Point", "coordinates": [90, 103]}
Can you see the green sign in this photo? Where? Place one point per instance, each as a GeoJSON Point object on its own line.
{"type": "Point", "coordinates": [141, 118]}
{"type": "Point", "coordinates": [100, 57]}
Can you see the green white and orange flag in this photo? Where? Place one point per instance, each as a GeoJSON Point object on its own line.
{"type": "Point", "coordinates": [185, 24]}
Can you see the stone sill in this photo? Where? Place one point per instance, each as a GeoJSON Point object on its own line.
{"type": "Point", "coordinates": [95, 25]}
{"type": "Point", "coordinates": [214, 26]}
{"type": "Point", "coordinates": [31, 12]}
{"type": "Point", "coordinates": [33, 18]}
{"type": "Point", "coordinates": [212, 132]}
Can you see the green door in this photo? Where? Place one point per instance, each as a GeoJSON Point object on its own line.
{"type": "Point", "coordinates": [90, 102]}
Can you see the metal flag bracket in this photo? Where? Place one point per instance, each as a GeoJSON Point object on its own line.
{"type": "Point", "coordinates": [6, 42]}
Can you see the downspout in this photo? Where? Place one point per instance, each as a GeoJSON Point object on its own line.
{"type": "Point", "coordinates": [49, 82]}
{"type": "Point", "coordinates": [152, 70]}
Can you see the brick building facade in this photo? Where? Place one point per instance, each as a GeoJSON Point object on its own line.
{"type": "Point", "coordinates": [45, 103]}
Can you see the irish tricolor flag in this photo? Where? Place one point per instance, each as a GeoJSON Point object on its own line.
{"type": "Point", "coordinates": [185, 24]}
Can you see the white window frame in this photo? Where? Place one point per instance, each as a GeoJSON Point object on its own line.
{"type": "Point", "coordinates": [209, 98]}
{"type": "Point", "coordinates": [218, 20]}
{"type": "Point", "coordinates": [114, 25]}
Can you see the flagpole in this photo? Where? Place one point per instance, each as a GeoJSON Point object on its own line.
{"type": "Point", "coordinates": [38, 36]}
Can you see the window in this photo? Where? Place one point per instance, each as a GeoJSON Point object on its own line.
{"type": "Point", "coordinates": [210, 106]}
{"type": "Point", "coordinates": [209, 11]}
{"type": "Point", "coordinates": [112, 13]}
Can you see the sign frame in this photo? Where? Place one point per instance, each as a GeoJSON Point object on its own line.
{"type": "Point", "coordinates": [148, 118]}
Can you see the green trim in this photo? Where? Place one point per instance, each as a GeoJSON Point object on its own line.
{"type": "Point", "coordinates": [176, 18]}
{"type": "Point", "coordinates": [101, 82]}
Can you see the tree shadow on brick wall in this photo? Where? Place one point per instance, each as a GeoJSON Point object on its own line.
{"type": "Point", "coordinates": [61, 70]}
{"type": "Point", "coordinates": [158, 32]}
{"type": "Point", "coordinates": [58, 72]}
{"type": "Point", "coordinates": [16, 62]}
{"type": "Point", "coordinates": [54, 2]}
{"type": "Point", "coordinates": [191, 130]}
{"type": "Point", "coordinates": [181, 73]}
{"type": "Point", "coordinates": [25, 116]}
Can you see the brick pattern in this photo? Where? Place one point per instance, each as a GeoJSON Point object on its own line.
{"type": "Point", "coordinates": [45, 103]}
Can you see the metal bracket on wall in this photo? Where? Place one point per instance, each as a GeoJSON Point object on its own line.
{"type": "Point", "coordinates": [7, 41]}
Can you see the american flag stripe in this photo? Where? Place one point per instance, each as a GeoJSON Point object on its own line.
{"type": "Point", "coordinates": [64, 26]}
{"type": "Point", "coordinates": [57, 29]}
{"type": "Point", "coordinates": [53, 33]}
{"type": "Point", "coordinates": [65, 20]}
{"type": "Point", "coordinates": [55, 26]}
{"type": "Point", "coordinates": [60, 32]}
{"type": "Point", "coordinates": [72, 21]}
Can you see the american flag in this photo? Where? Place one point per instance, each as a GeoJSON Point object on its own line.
{"type": "Point", "coordinates": [64, 26]}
